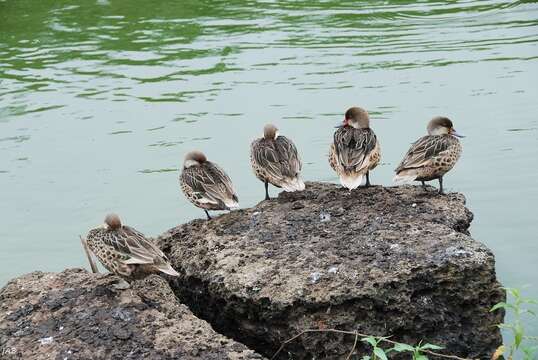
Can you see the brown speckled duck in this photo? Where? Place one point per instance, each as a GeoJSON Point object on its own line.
{"type": "Point", "coordinates": [355, 150]}
{"type": "Point", "coordinates": [125, 251]}
{"type": "Point", "coordinates": [431, 156]}
{"type": "Point", "coordinates": [275, 161]}
{"type": "Point", "coordinates": [206, 185]}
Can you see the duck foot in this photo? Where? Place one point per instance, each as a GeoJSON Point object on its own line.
{"type": "Point", "coordinates": [208, 216]}
{"type": "Point", "coordinates": [368, 184]}
{"type": "Point", "coordinates": [267, 191]}
{"type": "Point", "coordinates": [441, 192]}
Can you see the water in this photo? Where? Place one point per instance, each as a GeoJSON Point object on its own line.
{"type": "Point", "coordinates": [99, 101]}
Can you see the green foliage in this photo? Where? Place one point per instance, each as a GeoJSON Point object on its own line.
{"type": "Point", "coordinates": [521, 346]}
{"type": "Point", "coordinates": [519, 307]}
{"type": "Point", "coordinates": [377, 351]}
{"type": "Point", "coordinates": [417, 351]}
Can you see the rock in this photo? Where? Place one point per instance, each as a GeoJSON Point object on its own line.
{"type": "Point", "coordinates": [78, 315]}
{"type": "Point", "coordinates": [384, 261]}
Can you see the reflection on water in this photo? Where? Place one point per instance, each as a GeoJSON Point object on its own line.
{"type": "Point", "coordinates": [99, 101]}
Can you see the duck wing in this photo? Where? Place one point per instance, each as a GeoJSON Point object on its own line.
{"type": "Point", "coordinates": [134, 246]}
{"type": "Point", "coordinates": [279, 158]}
{"type": "Point", "coordinates": [210, 183]}
{"type": "Point", "coordinates": [289, 157]}
{"type": "Point", "coordinates": [423, 151]}
{"type": "Point", "coordinates": [353, 147]}
{"type": "Point", "coordinates": [265, 155]}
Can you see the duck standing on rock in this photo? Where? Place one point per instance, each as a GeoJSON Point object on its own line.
{"type": "Point", "coordinates": [431, 156]}
{"type": "Point", "coordinates": [206, 185]}
{"type": "Point", "coordinates": [125, 251]}
{"type": "Point", "coordinates": [275, 161]}
{"type": "Point", "coordinates": [355, 150]}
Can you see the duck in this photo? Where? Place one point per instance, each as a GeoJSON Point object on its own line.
{"type": "Point", "coordinates": [125, 251]}
{"type": "Point", "coordinates": [431, 156]}
{"type": "Point", "coordinates": [206, 185]}
{"type": "Point", "coordinates": [355, 150]}
{"type": "Point", "coordinates": [275, 160]}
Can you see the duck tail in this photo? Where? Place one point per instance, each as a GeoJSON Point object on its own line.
{"type": "Point", "coordinates": [231, 203]}
{"type": "Point", "coordinates": [300, 184]}
{"type": "Point", "coordinates": [405, 177]}
{"type": "Point", "coordinates": [351, 181]}
{"type": "Point", "coordinates": [295, 184]}
{"type": "Point", "coordinates": [167, 269]}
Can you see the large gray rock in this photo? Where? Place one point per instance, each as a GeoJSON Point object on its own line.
{"type": "Point", "coordinates": [385, 261]}
{"type": "Point", "coordinates": [77, 315]}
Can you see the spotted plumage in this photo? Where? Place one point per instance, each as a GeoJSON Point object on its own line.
{"type": "Point", "coordinates": [125, 251]}
{"type": "Point", "coordinates": [275, 160]}
{"type": "Point", "coordinates": [206, 185]}
{"type": "Point", "coordinates": [355, 150]}
{"type": "Point", "coordinates": [431, 156]}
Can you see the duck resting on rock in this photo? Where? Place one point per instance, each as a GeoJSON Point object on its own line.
{"type": "Point", "coordinates": [206, 185]}
{"type": "Point", "coordinates": [431, 156]}
{"type": "Point", "coordinates": [274, 160]}
{"type": "Point", "coordinates": [355, 150]}
{"type": "Point", "coordinates": [124, 251]}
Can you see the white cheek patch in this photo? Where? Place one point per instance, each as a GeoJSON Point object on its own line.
{"type": "Point", "coordinates": [190, 163]}
{"type": "Point", "coordinates": [440, 131]}
{"type": "Point", "coordinates": [276, 134]}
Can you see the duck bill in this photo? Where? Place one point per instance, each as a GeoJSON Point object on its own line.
{"type": "Point", "coordinates": [342, 124]}
{"type": "Point", "coordinates": [453, 132]}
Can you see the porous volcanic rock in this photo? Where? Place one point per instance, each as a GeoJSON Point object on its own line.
{"type": "Point", "coordinates": [385, 261]}
{"type": "Point", "coordinates": [78, 315]}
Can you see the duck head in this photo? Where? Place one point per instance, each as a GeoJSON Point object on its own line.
{"type": "Point", "coordinates": [441, 125]}
{"type": "Point", "coordinates": [270, 132]}
{"type": "Point", "coordinates": [112, 222]}
{"type": "Point", "coordinates": [194, 158]}
{"type": "Point", "coordinates": [357, 118]}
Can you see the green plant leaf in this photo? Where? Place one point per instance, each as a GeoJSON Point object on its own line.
{"type": "Point", "coordinates": [518, 335]}
{"type": "Point", "coordinates": [500, 305]}
{"type": "Point", "coordinates": [515, 292]}
{"type": "Point", "coordinates": [380, 353]}
{"type": "Point", "coordinates": [365, 357]}
{"type": "Point", "coordinates": [421, 357]}
{"type": "Point", "coordinates": [528, 353]}
{"type": "Point", "coordinates": [403, 347]}
{"type": "Point", "coordinates": [431, 347]}
{"type": "Point", "coordinates": [370, 340]}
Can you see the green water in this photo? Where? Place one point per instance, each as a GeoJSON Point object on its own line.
{"type": "Point", "coordinates": [100, 100]}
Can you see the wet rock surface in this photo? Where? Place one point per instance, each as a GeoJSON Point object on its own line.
{"type": "Point", "coordinates": [384, 261]}
{"type": "Point", "coordinates": [78, 315]}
